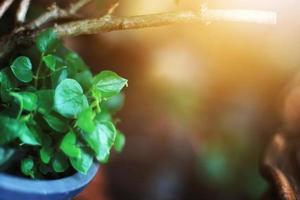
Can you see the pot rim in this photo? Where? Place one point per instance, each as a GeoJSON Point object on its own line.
{"type": "Point", "coordinates": [62, 185]}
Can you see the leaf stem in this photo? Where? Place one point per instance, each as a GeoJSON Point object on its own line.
{"type": "Point", "coordinates": [38, 71]}
{"type": "Point", "coordinates": [17, 96]}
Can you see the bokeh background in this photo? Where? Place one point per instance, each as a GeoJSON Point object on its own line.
{"type": "Point", "coordinates": [202, 103]}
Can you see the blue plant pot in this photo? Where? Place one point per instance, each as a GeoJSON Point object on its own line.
{"type": "Point", "coordinates": [18, 188]}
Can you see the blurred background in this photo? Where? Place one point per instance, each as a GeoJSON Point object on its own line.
{"type": "Point", "coordinates": [202, 103]}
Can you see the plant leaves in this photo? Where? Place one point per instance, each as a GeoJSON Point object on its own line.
{"type": "Point", "coordinates": [6, 154]}
{"type": "Point", "coordinates": [22, 69]}
{"type": "Point", "coordinates": [45, 101]}
{"type": "Point", "coordinates": [69, 145]}
{"type": "Point", "coordinates": [46, 40]}
{"type": "Point", "coordinates": [29, 135]}
{"type": "Point", "coordinates": [56, 123]}
{"type": "Point", "coordinates": [82, 164]}
{"type": "Point", "coordinates": [10, 129]}
{"type": "Point", "coordinates": [102, 140]}
{"type": "Point", "coordinates": [75, 62]}
{"type": "Point", "coordinates": [7, 84]}
{"type": "Point", "coordinates": [84, 78]}
{"type": "Point", "coordinates": [60, 163]}
{"type": "Point", "coordinates": [28, 100]}
{"type": "Point", "coordinates": [27, 167]}
{"type": "Point", "coordinates": [85, 120]}
{"type": "Point", "coordinates": [52, 62]}
{"type": "Point", "coordinates": [58, 76]}
{"type": "Point", "coordinates": [69, 99]}
{"type": "Point", "coordinates": [114, 103]}
{"type": "Point", "coordinates": [120, 142]}
{"type": "Point", "coordinates": [46, 152]}
{"type": "Point", "coordinates": [109, 83]}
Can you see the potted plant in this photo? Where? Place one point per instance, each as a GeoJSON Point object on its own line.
{"type": "Point", "coordinates": [56, 119]}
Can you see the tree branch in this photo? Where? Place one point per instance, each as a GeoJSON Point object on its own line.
{"type": "Point", "coordinates": [26, 34]}
{"type": "Point", "coordinates": [55, 13]}
{"type": "Point", "coordinates": [113, 23]}
{"type": "Point", "coordinates": [22, 11]}
{"type": "Point", "coordinates": [4, 6]}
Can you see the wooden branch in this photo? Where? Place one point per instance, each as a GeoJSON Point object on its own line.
{"type": "Point", "coordinates": [4, 6]}
{"type": "Point", "coordinates": [112, 23]}
{"type": "Point", "coordinates": [112, 9]}
{"type": "Point", "coordinates": [25, 35]}
{"type": "Point", "coordinates": [77, 6]}
{"type": "Point", "coordinates": [55, 13]}
{"type": "Point", "coordinates": [22, 11]}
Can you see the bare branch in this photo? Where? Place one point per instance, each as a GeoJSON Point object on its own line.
{"type": "Point", "coordinates": [75, 7]}
{"type": "Point", "coordinates": [25, 37]}
{"type": "Point", "coordinates": [112, 23]}
{"type": "Point", "coordinates": [4, 6]}
{"type": "Point", "coordinates": [112, 9]}
{"type": "Point", "coordinates": [22, 11]}
{"type": "Point", "coordinates": [55, 13]}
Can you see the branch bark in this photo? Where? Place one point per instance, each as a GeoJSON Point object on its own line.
{"type": "Point", "coordinates": [55, 13]}
{"type": "Point", "coordinates": [26, 34]}
{"type": "Point", "coordinates": [22, 11]}
{"type": "Point", "coordinates": [112, 23]}
{"type": "Point", "coordinates": [4, 6]}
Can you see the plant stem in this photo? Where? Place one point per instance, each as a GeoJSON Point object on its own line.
{"type": "Point", "coordinates": [38, 71]}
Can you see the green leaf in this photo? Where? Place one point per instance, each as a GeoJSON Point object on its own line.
{"type": "Point", "coordinates": [102, 140]}
{"type": "Point", "coordinates": [69, 99]}
{"type": "Point", "coordinates": [6, 154]}
{"type": "Point", "coordinates": [120, 142]}
{"type": "Point", "coordinates": [22, 69]}
{"type": "Point", "coordinates": [28, 100]}
{"type": "Point", "coordinates": [52, 62]}
{"type": "Point", "coordinates": [6, 85]}
{"type": "Point", "coordinates": [10, 129]}
{"type": "Point", "coordinates": [74, 61]}
{"type": "Point", "coordinates": [45, 101]}
{"type": "Point", "coordinates": [27, 167]}
{"type": "Point", "coordinates": [103, 116]}
{"type": "Point", "coordinates": [69, 145]}
{"type": "Point", "coordinates": [82, 164]}
{"type": "Point", "coordinates": [58, 76]}
{"type": "Point", "coordinates": [85, 120]}
{"type": "Point", "coordinates": [46, 152]}
{"type": "Point", "coordinates": [46, 40]}
{"type": "Point", "coordinates": [114, 103]}
{"type": "Point", "coordinates": [29, 136]}
{"type": "Point", "coordinates": [84, 78]}
{"type": "Point", "coordinates": [60, 163]}
{"type": "Point", "coordinates": [56, 123]}
{"type": "Point", "coordinates": [109, 83]}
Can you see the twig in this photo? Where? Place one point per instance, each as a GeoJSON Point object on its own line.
{"type": "Point", "coordinates": [4, 6]}
{"type": "Point", "coordinates": [112, 9]}
{"type": "Point", "coordinates": [75, 7]}
{"type": "Point", "coordinates": [107, 23]}
{"type": "Point", "coordinates": [112, 23]}
{"type": "Point", "coordinates": [55, 13]}
{"type": "Point", "coordinates": [22, 11]}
